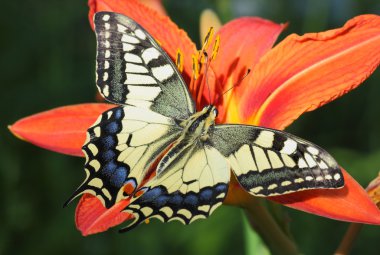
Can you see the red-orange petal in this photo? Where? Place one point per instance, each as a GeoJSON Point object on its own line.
{"type": "Point", "coordinates": [243, 42]}
{"type": "Point", "coordinates": [305, 72]}
{"type": "Point", "coordinates": [165, 31]}
{"type": "Point", "coordinates": [351, 203]}
{"type": "Point", "coordinates": [62, 129]}
{"type": "Point", "coordinates": [92, 217]}
{"type": "Point", "coordinates": [155, 5]}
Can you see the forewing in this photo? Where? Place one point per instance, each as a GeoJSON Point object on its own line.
{"type": "Point", "coordinates": [269, 162]}
{"type": "Point", "coordinates": [191, 188]}
{"type": "Point", "coordinates": [120, 147]}
{"type": "Point", "coordinates": [132, 69]}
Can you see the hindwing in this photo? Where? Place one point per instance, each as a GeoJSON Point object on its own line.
{"type": "Point", "coordinates": [191, 188]}
{"type": "Point", "coordinates": [269, 162]}
{"type": "Point", "coordinates": [120, 147]}
{"type": "Point", "coordinates": [132, 69]}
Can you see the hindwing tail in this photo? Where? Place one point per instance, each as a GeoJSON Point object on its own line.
{"type": "Point", "coordinates": [121, 146]}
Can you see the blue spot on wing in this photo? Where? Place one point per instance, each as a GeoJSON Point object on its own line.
{"type": "Point", "coordinates": [221, 188]}
{"type": "Point", "coordinates": [108, 142]}
{"type": "Point", "coordinates": [161, 201]}
{"type": "Point", "coordinates": [119, 176]}
{"type": "Point", "coordinates": [109, 168]}
{"type": "Point", "coordinates": [158, 197]}
{"type": "Point", "coordinates": [113, 173]}
{"type": "Point", "coordinates": [151, 194]}
{"type": "Point", "coordinates": [118, 113]}
{"type": "Point", "coordinates": [107, 155]}
{"type": "Point", "coordinates": [190, 200]}
{"type": "Point", "coordinates": [175, 199]}
{"type": "Point", "coordinates": [206, 195]}
{"type": "Point", "coordinates": [112, 127]}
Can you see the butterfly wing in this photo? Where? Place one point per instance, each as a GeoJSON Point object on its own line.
{"type": "Point", "coordinates": [120, 147]}
{"type": "Point", "coordinates": [191, 188]}
{"type": "Point", "coordinates": [269, 162]}
{"type": "Point", "coordinates": [132, 69]}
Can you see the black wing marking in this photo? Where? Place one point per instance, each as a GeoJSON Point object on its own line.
{"type": "Point", "coordinates": [120, 147]}
{"type": "Point", "coordinates": [191, 188]}
{"type": "Point", "coordinates": [132, 68]}
{"type": "Point", "coordinates": [269, 162]}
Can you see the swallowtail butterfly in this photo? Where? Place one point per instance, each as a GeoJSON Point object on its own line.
{"type": "Point", "coordinates": [157, 117]}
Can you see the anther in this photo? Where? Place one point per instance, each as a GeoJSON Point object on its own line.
{"type": "Point", "coordinates": [215, 48]}
{"type": "Point", "coordinates": [208, 38]}
{"type": "Point", "coordinates": [196, 66]}
{"type": "Point", "coordinates": [179, 60]}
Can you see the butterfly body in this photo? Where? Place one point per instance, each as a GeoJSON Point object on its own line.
{"type": "Point", "coordinates": [200, 123]}
{"type": "Point", "coordinates": [195, 129]}
{"type": "Point", "coordinates": [156, 118]}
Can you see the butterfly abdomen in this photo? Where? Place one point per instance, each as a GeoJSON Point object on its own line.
{"type": "Point", "coordinates": [172, 155]}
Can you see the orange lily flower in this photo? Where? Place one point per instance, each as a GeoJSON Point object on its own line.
{"type": "Point", "coordinates": [299, 74]}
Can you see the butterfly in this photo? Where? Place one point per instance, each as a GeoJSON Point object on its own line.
{"type": "Point", "coordinates": [156, 124]}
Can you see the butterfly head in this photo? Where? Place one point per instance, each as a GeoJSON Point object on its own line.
{"type": "Point", "coordinates": [211, 111]}
{"type": "Point", "coordinates": [209, 114]}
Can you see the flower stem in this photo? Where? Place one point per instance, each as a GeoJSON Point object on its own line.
{"type": "Point", "coordinates": [271, 233]}
{"type": "Point", "coordinates": [261, 220]}
{"type": "Point", "coordinates": [348, 239]}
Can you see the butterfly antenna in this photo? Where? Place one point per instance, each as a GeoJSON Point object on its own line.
{"type": "Point", "coordinates": [235, 85]}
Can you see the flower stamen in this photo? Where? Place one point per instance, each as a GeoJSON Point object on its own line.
{"type": "Point", "coordinates": [208, 38]}
{"type": "Point", "coordinates": [196, 65]}
{"type": "Point", "coordinates": [215, 48]}
{"type": "Point", "coordinates": [179, 60]}
{"type": "Point", "coordinates": [201, 61]}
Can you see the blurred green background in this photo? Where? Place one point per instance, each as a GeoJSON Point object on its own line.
{"type": "Point", "coordinates": [48, 60]}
